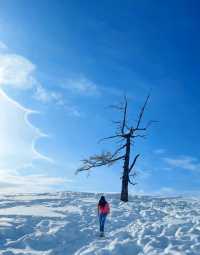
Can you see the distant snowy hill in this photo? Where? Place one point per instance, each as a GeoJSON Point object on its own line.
{"type": "Point", "coordinates": [67, 224]}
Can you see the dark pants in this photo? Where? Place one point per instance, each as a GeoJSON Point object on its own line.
{"type": "Point", "coordinates": [102, 218]}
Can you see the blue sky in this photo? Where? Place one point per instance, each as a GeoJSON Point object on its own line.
{"type": "Point", "coordinates": [63, 62]}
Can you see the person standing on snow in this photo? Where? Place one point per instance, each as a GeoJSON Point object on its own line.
{"type": "Point", "coordinates": [103, 211]}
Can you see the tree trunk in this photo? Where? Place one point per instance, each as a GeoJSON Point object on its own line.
{"type": "Point", "coordinates": [125, 177]}
{"type": "Point", "coordinates": [124, 192]}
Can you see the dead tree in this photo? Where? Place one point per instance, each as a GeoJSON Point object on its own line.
{"type": "Point", "coordinates": [126, 135]}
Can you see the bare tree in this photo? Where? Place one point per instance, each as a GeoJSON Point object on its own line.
{"type": "Point", "coordinates": [126, 135]}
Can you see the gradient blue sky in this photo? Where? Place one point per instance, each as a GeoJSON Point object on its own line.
{"type": "Point", "coordinates": [67, 61]}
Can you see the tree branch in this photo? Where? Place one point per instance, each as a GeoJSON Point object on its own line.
{"type": "Point", "coordinates": [97, 161]}
{"type": "Point", "coordinates": [124, 117]}
{"type": "Point", "coordinates": [141, 136]}
{"type": "Point", "coordinates": [129, 179]}
{"type": "Point", "coordinates": [134, 161]}
{"type": "Point", "coordinates": [109, 137]}
{"type": "Point", "coordinates": [147, 126]}
{"type": "Point", "coordinates": [118, 150]}
{"type": "Point", "coordinates": [142, 112]}
{"type": "Point", "coordinates": [133, 183]}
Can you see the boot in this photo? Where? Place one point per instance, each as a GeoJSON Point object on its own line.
{"type": "Point", "coordinates": [101, 234]}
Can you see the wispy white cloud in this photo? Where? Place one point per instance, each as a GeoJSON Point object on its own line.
{"type": "Point", "coordinates": [184, 162]}
{"type": "Point", "coordinates": [17, 135]}
{"type": "Point", "coordinates": [11, 182]}
{"type": "Point", "coordinates": [159, 151]}
{"type": "Point", "coordinates": [81, 86]}
{"type": "Point", "coordinates": [46, 96]}
{"type": "Point", "coordinates": [16, 71]}
{"type": "Point", "coordinates": [20, 73]}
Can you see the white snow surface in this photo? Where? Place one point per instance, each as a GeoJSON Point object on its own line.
{"type": "Point", "coordinates": [67, 224]}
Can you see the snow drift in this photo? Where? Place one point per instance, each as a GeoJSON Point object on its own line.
{"type": "Point", "coordinates": [67, 224]}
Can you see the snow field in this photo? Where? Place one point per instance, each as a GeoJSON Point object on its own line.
{"type": "Point", "coordinates": [67, 224]}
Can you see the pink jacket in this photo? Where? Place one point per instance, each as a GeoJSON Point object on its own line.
{"type": "Point", "coordinates": [105, 209]}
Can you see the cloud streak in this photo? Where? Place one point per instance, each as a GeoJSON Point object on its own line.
{"type": "Point", "coordinates": [17, 135]}
{"type": "Point", "coordinates": [20, 73]}
{"type": "Point", "coordinates": [45, 96]}
{"type": "Point", "coordinates": [81, 86]}
{"type": "Point", "coordinates": [16, 71]}
{"type": "Point", "coordinates": [14, 183]}
{"type": "Point", "coordinates": [159, 151]}
{"type": "Point", "coordinates": [184, 162]}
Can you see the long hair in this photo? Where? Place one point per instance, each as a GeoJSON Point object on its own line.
{"type": "Point", "coordinates": [102, 201]}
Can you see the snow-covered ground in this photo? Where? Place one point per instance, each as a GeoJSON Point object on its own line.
{"type": "Point", "coordinates": [67, 224]}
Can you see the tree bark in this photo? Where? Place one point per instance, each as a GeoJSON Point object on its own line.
{"type": "Point", "coordinates": [125, 177]}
